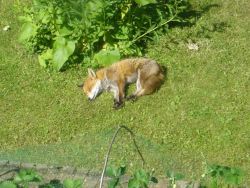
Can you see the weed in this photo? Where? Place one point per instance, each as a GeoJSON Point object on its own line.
{"type": "Point", "coordinates": [98, 32]}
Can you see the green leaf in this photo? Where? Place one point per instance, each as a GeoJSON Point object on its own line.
{"type": "Point", "coordinates": [64, 32]}
{"type": "Point", "coordinates": [170, 7]}
{"type": "Point", "coordinates": [123, 33]}
{"type": "Point", "coordinates": [8, 184]}
{"type": "Point", "coordinates": [140, 179]}
{"type": "Point", "coordinates": [233, 176]}
{"type": "Point", "coordinates": [121, 170]}
{"type": "Point", "coordinates": [214, 183]}
{"type": "Point", "coordinates": [173, 175]}
{"type": "Point", "coordinates": [145, 2]}
{"type": "Point", "coordinates": [60, 41]}
{"type": "Point", "coordinates": [27, 31]}
{"type": "Point", "coordinates": [110, 171]}
{"type": "Point", "coordinates": [115, 174]}
{"type": "Point", "coordinates": [142, 176]}
{"type": "Point", "coordinates": [231, 179]}
{"type": "Point", "coordinates": [26, 18]}
{"type": "Point", "coordinates": [134, 183]}
{"type": "Point", "coordinates": [179, 176]}
{"type": "Point", "coordinates": [62, 49]}
{"type": "Point", "coordinates": [169, 174]}
{"type": "Point", "coordinates": [45, 57]}
{"type": "Point", "coordinates": [107, 57]}
{"type": "Point", "coordinates": [27, 175]}
{"type": "Point", "coordinates": [113, 182]}
{"type": "Point", "coordinates": [72, 183]}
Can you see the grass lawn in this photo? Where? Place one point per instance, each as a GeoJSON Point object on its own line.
{"type": "Point", "coordinates": [200, 114]}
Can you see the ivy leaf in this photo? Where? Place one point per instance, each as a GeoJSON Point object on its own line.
{"type": "Point", "coordinates": [28, 30]}
{"type": "Point", "coordinates": [62, 49]}
{"type": "Point", "coordinates": [145, 2]}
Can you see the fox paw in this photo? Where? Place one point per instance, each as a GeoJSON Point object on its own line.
{"type": "Point", "coordinates": [118, 105]}
{"type": "Point", "coordinates": [132, 98]}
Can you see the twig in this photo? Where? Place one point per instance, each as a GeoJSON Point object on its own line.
{"type": "Point", "coordinates": [9, 171]}
{"type": "Point", "coordinates": [110, 147]}
{"type": "Point", "coordinates": [156, 27]}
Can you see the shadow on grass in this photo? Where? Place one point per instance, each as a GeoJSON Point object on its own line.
{"type": "Point", "coordinates": [205, 31]}
{"type": "Point", "coordinates": [191, 16]}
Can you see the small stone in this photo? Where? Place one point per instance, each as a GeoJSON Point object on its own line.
{"type": "Point", "coordinates": [6, 28]}
{"type": "Point", "coordinates": [193, 46]}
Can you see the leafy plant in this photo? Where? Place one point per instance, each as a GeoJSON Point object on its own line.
{"type": "Point", "coordinates": [221, 175]}
{"type": "Point", "coordinates": [218, 176]}
{"type": "Point", "coordinates": [173, 177]}
{"type": "Point", "coordinates": [97, 32]}
{"type": "Point", "coordinates": [22, 179]}
{"type": "Point", "coordinates": [115, 175]}
{"type": "Point", "coordinates": [141, 179]}
{"type": "Point", "coordinates": [8, 184]}
{"type": "Point", "coordinates": [68, 183]}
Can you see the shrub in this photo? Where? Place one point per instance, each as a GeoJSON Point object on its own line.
{"type": "Point", "coordinates": [95, 32]}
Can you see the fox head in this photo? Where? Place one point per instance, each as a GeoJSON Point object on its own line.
{"type": "Point", "coordinates": [92, 86]}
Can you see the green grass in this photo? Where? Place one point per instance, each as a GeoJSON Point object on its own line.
{"type": "Point", "coordinates": [201, 113]}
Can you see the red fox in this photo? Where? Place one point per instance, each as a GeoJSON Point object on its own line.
{"type": "Point", "coordinates": [146, 73]}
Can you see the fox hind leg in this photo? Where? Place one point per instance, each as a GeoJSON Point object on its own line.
{"type": "Point", "coordinates": [145, 87]}
{"type": "Point", "coordinates": [139, 89]}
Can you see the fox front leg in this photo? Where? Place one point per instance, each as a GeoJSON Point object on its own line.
{"type": "Point", "coordinates": [118, 96]}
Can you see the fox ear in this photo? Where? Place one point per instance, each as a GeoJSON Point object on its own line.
{"type": "Point", "coordinates": [91, 73]}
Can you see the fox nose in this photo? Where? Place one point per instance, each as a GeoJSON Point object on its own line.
{"type": "Point", "coordinates": [90, 99]}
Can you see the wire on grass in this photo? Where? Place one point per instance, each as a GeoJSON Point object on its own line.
{"type": "Point", "coordinates": [110, 147]}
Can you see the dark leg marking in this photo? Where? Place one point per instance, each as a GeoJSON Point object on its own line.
{"type": "Point", "coordinates": [117, 104]}
{"type": "Point", "coordinates": [132, 97]}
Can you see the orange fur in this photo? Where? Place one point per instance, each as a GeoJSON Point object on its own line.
{"type": "Point", "coordinates": [146, 73]}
